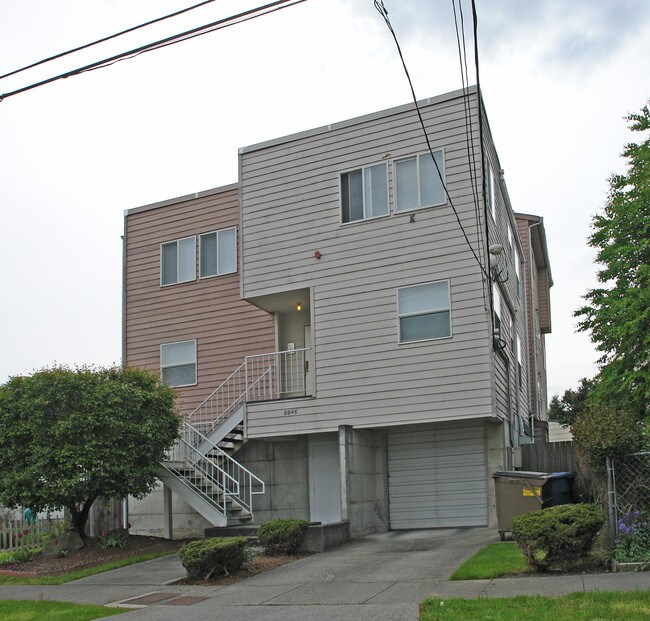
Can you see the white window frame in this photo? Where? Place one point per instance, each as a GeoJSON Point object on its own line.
{"type": "Point", "coordinates": [219, 272]}
{"type": "Point", "coordinates": [429, 311]}
{"type": "Point", "coordinates": [496, 297]}
{"type": "Point", "coordinates": [491, 191]}
{"type": "Point", "coordinates": [178, 364]}
{"type": "Point", "coordinates": [443, 174]}
{"type": "Point", "coordinates": [362, 169]}
{"type": "Point", "coordinates": [520, 364]}
{"type": "Point", "coordinates": [178, 264]}
{"type": "Point", "coordinates": [517, 274]}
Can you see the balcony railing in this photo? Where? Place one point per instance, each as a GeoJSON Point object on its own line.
{"type": "Point", "coordinates": [263, 377]}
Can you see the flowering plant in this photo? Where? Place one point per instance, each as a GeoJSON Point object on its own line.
{"type": "Point", "coordinates": [632, 542]}
{"type": "Point", "coordinates": [111, 540]}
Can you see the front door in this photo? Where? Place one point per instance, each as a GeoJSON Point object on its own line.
{"type": "Point", "coordinates": [324, 481]}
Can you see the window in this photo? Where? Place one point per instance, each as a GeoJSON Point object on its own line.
{"type": "Point", "coordinates": [418, 183]}
{"type": "Point", "coordinates": [364, 193]}
{"type": "Point", "coordinates": [517, 274]}
{"type": "Point", "coordinates": [178, 363]}
{"type": "Point", "coordinates": [424, 312]}
{"type": "Point", "coordinates": [497, 308]}
{"type": "Point", "coordinates": [510, 244]}
{"type": "Point", "coordinates": [218, 253]}
{"type": "Point", "coordinates": [492, 201]}
{"type": "Point", "coordinates": [520, 372]}
{"type": "Point", "coordinates": [178, 261]}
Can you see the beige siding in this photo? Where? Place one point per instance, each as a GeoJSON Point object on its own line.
{"type": "Point", "coordinates": [209, 310]}
{"type": "Point", "coordinates": [290, 209]}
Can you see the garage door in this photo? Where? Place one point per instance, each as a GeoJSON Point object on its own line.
{"type": "Point", "coordinates": [437, 475]}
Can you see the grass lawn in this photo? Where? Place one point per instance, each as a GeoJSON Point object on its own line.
{"type": "Point", "coordinates": [576, 607]}
{"type": "Point", "coordinates": [17, 610]}
{"type": "Point", "coordinates": [492, 561]}
{"type": "Point", "coordinates": [81, 573]}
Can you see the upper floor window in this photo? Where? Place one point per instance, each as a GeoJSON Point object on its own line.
{"type": "Point", "coordinates": [496, 296]}
{"type": "Point", "coordinates": [491, 192]}
{"type": "Point", "coordinates": [424, 312]}
{"type": "Point", "coordinates": [178, 261]}
{"type": "Point", "coordinates": [178, 363]}
{"type": "Point", "coordinates": [517, 275]}
{"type": "Point", "coordinates": [510, 242]}
{"type": "Point", "coordinates": [218, 253]}
{"type": "Point", "coordinates": [364, 193]}
{"type": "Point", "coordinates": [520, 363]}
{"type": "Point", "coordinates": [418, 183]}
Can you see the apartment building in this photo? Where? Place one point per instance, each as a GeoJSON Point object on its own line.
{"type": "Point", "coordinates": [348, 327]}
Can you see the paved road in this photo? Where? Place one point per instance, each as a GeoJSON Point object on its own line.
{"type": "Point", "coordinates": [381, 577]}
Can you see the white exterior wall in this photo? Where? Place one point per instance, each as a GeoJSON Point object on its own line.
{"type": "Point", "coordinates": [291, 208]}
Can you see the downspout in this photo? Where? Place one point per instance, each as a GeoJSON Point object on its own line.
{"type": "Point", "coordinates": [537, 411]}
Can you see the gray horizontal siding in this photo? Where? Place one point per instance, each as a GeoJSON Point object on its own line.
{"type": "Point", "coordinates": [290, 209]}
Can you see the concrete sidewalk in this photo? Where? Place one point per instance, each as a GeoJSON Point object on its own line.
{"type": "Point", "coordinates": [381, 577]}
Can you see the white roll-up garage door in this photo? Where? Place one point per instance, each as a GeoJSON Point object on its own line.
{"type": "Point", "coordinates": [437, 475]}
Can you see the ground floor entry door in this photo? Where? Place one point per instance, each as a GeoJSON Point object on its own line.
{"type": "Point", "coordinates": [437, 475]}
{"type": "Point", "coordinates": [324, 481]}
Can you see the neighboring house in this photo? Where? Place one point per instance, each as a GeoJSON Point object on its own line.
{"type": "Point", "coordinates": [385, 369]}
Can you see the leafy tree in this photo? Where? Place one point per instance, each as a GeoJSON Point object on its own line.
{"type": "Point", "coordinates": [617, 314]}
{"type": "Point", "coordinates": [566, 409]}
{"type": "Point", "coordinates": [68, 437]}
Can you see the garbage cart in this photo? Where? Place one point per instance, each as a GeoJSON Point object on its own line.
{"type": "Point", "coordinates": [519, 492]}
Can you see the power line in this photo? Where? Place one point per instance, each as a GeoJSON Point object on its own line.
{"type": "Point", "coordinates": [469, 131]}
{"type": "Point", "coordinates": [103, 39]}
{"type": "Point", "coordinates": [381, 9]}
{"type": "Point", "coordinates": [183, 36]}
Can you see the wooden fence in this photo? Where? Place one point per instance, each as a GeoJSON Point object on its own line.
{"type": "Point", "coordinates": [549, 457]}
{"type": "Point", "coordinates": [16, 534]}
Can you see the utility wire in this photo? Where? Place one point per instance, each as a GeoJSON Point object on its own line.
{"type": "Point", "coordinates": [103, 39]}
{"type": "Point", "coordinates": [381, 9]}
{"type": "Point", "coordinates": [469, 131]}
{"type": "Point", "coordinates": [183, 36]}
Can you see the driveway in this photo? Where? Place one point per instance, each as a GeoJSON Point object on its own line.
{"type": "Point", "coordinates": [380, 577]}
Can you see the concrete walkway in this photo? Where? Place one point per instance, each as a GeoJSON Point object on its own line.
{"type": "Point", "coordinates": [381, 577]}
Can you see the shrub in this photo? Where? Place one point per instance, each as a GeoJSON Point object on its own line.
{"type": "Point", "coordinates": [557, 534]}
{"type": "Point", "coordinates": [217, 555]}
{"type": "Point", "coordinates": [282, 536]}
{"type": "Point", "coordinates": [21, 555]}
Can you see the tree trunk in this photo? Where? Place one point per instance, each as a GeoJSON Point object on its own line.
{"type": "Point", "coordinates": [79, 517]}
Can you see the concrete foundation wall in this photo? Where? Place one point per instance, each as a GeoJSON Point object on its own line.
{"type": "Point", "coordinates": [496, 460]}
{"type": "Point", "coordinates": [146, 516]}
{"type": "Point", "coordinates": [364, 482]}
{"type": "Point", "coordinates": [283, 466]}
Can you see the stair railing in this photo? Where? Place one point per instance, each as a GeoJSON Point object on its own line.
{"type": "Point", "coordinates": [235, 480]}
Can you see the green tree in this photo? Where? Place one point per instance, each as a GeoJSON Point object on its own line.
{"type": "Point", "coordinates": [617, 314]}
{"type": "Point", "coordinates": [68, 437]}
{"type": "Point", "coordinates": [566, 409]}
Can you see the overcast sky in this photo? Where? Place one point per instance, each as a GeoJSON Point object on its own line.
{"type": "Point", "coordinates": [557, 76]}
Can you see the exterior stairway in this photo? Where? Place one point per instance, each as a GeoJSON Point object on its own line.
{"type": "Point", "coordinates": [200, 467]}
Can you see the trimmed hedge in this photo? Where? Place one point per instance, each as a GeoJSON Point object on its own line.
{"type": "Point", "coordinates": [282, 536]}
{"type": "Point", "coordinates": [207, 557]}
{"type": "Point", "coordinates": [557, 534]}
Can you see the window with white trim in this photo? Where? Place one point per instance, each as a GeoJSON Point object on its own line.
{"type": "Point", "coordinates": [218, 253]}
{"type": "Point", "coordinates": [178, 363]}
{"type": "Point", "coordinates": [520, 366]}
{"type": "Point", "coordinates": [418, 183]}
{"type": "Point", "coordinates": [510, 243]}
{"type": "Point", "coordinates": [517, 275]}
{"type": "Point", "coordinates": [178, 261]}
{"type": "Point", "coordinates": [364, 193]}
{"type": "Point", "coordinates": [496, 297]}
{"type": "Point", "coordinates": [424, 312]}
{"type": "Point", "coordinates": [492, 201]}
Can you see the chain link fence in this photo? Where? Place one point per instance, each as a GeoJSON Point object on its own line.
{"type": "Point", "coordinates": [628, 486]}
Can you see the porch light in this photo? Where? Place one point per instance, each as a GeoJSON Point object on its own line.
{"type": "Point", "coordinates": [298, 306]}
